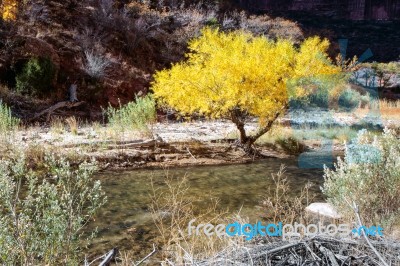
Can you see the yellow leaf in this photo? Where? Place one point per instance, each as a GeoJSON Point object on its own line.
{"type": "Point", "coordinates": [9, 9]}
{"type": "Point", "coordinates": [227, 71]}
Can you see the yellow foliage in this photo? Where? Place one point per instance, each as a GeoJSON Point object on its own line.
{"type": "Point", "coordinates": [9, 9]}
{"type": "Point", "coordinates": [224, 71]}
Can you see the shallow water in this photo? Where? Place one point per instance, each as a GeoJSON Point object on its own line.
{"type": "Point", "coordinates": [125, 221]}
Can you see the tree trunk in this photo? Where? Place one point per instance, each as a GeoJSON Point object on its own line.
{"type": "Point", "coordinates": [247, 142]}
{"type": "Point", "coordinates": [237, 118]}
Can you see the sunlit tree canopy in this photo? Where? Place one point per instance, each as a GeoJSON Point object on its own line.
{"type": "Point", "coordinates": [235, 74]}
{"type": "Point", "coordinates": [9, 9]}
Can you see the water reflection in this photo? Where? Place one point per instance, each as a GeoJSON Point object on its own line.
{"type": "Point", "coordinates": [126, 223]}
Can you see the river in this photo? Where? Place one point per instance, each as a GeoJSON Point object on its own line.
{"type": "Point", "coordinates": [125, 221]}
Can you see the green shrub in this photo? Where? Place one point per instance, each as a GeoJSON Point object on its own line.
{"type": "Point", "coordinates": [42, 213]}
{"type": "Point", "coordinates": [319, 90]}
{"type": "Point", "coordinates": [365, 100]}
{"type": "Point", "coordinates": [349, 99]}
{"type": "Point", "coordinates": [320, 99]}
{"type": "Point", "coordinates": [212, 22]}
{"type": "Point", "coordinates": [135, 115]}
{"type": "Point", "coordinates": [7, 121]}
{"type": "Point", "coordinates": [369, 175]}
{"type": "Point", "coordinates": [36, 77]}
{"type": "Point", "coordinates": [291, 145]}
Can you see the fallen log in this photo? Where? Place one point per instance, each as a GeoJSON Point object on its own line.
{"type": "Point", "coordinates": [112, 144]}
{"type": "Point", "coordinates": [54, 107]}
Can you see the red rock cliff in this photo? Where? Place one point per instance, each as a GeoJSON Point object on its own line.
{"type": "Point", "coordinates": [348, 9]}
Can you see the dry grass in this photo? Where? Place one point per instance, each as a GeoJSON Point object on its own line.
{"type": "Point", "coordinates": [172, 210]}
{"type": "Point", "coordinates": [36, 153]}
{"type": "Point", "coordinates": [389, 109]}
{"type": "Point", "coordinates": [280, 206]}
{"type": "Point", "coordinates": [96, 126]}
{"type": "Point", "coordinates": [280, 135]}
{"type": "Point", "coordinates": [73, 125]}
{"type": "Point", "coordinates": [276, 133]}
{"type": "Point", "coordinates": [57, 126]}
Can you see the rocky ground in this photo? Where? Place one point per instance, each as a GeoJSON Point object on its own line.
{"type": "Point", "coordinates": [172, 144]}
{"type": "Point", "coordinates": [177, 143]}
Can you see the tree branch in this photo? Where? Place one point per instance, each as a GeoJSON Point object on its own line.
{"type": "Point", "coordinates": [355, 209]}
{"type": "Point", "coordinates": [266, 128]}
{"type": "Point", "coordinates": [56, 106]}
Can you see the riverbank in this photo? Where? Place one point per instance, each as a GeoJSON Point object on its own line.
{"type": "Point", "coordinates": [168, 144]}
{"type": "Point", "coordinates": [201, 142]}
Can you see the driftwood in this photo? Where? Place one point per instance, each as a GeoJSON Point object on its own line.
{"type": "Point", "coordinates": [111, 255]}
{"type": "Point", "coordinates": [111, 144]}
{"type": "Point", "coordinates": [328, 254]}
{"type": "Point", "coordinates": [107, 258]}
{"type": "Point", "coordinates": [148, 256]}
{"type": "Point", "coordinates": [54, 107]}
{"type": "Point", "coordinates": [318, 250]}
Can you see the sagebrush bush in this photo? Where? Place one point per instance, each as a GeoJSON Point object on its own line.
{"type": "Point", "coordinates": [7, 121]}
{"type": "Point", "coordinates": [365, 100]}
{"type": "Point", "coordinates": [43, 212]}
{"type": "Point", "coordinates": [96, 65]}
{"type": "Point", "coordinates": [36, 77]}
{"type": "Point", "coordinates": [349, 99]}
{"type": "Point", "coordinates": [369, 175]}
{"type": "Point", "coordinates": [134, 115]}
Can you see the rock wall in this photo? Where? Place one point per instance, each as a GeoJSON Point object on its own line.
{"type": "Point", "coordinates": [348, 9]}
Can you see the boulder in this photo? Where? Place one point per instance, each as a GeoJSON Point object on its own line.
{"type": "Point", "coordinates": [323, 209]}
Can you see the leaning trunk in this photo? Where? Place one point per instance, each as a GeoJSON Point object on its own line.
{"type": "Point", "coordinates": [247, 142]}
{"type": "Point", "coordinates": [248, 146]}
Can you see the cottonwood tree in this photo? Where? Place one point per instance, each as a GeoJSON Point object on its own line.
{"type": "Point", "coordinates": [237, 75]}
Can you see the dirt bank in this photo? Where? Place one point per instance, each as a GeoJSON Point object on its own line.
{"type": "Point", "coordinates": [166, 145]}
